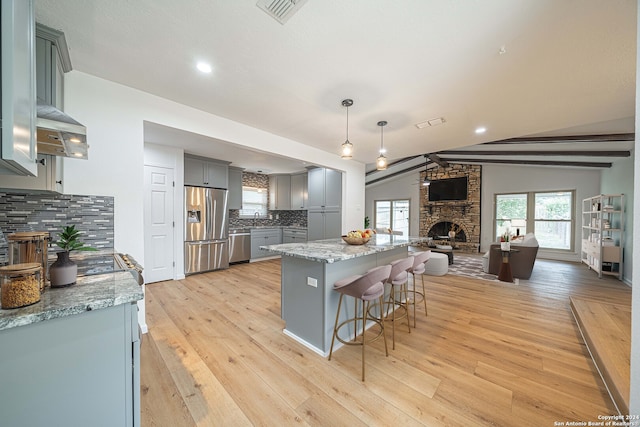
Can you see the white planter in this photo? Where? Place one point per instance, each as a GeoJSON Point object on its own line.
{"type": "Point", "coordinates": [505, 246]}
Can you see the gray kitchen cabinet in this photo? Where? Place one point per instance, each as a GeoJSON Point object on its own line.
{"type": "Point", "coordinates": [48, 178]}
{"type": "Point", "coordinates": [18, 87]}
{"type": "Point", "coordinates": [325, 189]}
{"type": "Point", "coordinates": [262, 237]}
{"type": "Point", "coordinates": [72, 371]}
{"type": "Point", "coordinates": [52, 61]}
{"type": "Point", "coordinates": [279, 192]}
{"type": "Point", "coordinates": [235, 188]}
{"type": "Point", "coordinates": [324, 224]}
{"type": "Point", "coordinates": [294, 235]}
{"type": "Point", "coordinates": [203, 172]}
{"type": "Point", "coordinates": [299, 191]}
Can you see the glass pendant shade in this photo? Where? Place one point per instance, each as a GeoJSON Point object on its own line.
{"type": "Point", "coordinates": [346, 149]}
{"type": "Point", "coordinates": [381, 163]}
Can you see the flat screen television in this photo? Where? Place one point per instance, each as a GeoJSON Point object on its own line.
{"type": "Point", "coordinates": [448, 189]}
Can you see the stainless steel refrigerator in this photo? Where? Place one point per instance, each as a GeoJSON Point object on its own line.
{"type": "Point", "coordinates": [206, 245]}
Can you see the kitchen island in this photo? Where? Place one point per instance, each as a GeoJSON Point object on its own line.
{"type": "Point", "coordinates": [309, 270]}
{"type": "Point", "coordinates": [73, 357]}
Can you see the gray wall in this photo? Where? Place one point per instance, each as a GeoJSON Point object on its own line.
{"type": "Point", "coordinates": [512, 179]}
{"type": "Point", "coordinates": [403, 187]}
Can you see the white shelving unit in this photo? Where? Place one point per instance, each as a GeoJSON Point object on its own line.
{"type": "Point", "coordinates": [603, 234]}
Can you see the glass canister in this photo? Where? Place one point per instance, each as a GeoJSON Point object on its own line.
{"type": "Point", "coordinates": [30, 246]}
{"type": "Point", "coordinates": [20, 284]}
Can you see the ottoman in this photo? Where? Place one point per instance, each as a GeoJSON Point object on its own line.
{"type": "Point", "coordinates": [438, 265]}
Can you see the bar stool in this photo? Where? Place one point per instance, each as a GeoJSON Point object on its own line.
{"type": "Point", "coordinates": [419, 261]}
{"type": "Point", "coordinates": [365, 288]}
{"type": "Point", "coordinates": [398, 279]}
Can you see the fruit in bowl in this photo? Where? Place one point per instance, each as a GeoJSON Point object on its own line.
{"type": "Point", "coordinates": [357, 237]}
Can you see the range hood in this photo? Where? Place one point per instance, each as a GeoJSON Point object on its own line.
{"type": "Point", "coordinates": [60, 135]}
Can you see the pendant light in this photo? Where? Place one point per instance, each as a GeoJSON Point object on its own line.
{"type": "Point", "coordinates": [347, 147]}
{"type": "Point", "coordinates": [426, 182]}
{"type": "Point", "coordinates": [381, 163]}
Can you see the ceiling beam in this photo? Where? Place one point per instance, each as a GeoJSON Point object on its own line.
{"type": "Point", "coordinates": [394, 174]}
{"type": "Point", "coordinates": [396, 162]}
{"type": "Point", "coordinates": [586, 153]}
{"type": "Point", "coordinates": [566, 138]}
{"type": "Point", "coordinates": [535, 162]}
{"type": "Point", "coordinates": [438, 160]}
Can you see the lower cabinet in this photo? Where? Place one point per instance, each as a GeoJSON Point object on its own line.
{"type": "Point", "coordinates": [324, 224]}
{"type": "Point", "coordinates": [76, 370]}
{"type": "Point", "coordinates": [294, 235]}
{"type": "Point", "coordinates": [262, 237]}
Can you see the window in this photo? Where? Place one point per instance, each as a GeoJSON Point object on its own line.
{"type": "Point", "coordinates": [393, 214]}
{"type": "Point", "coordinates": [254, 200]}
{"type": "Point", "coordinates": [549, 215]}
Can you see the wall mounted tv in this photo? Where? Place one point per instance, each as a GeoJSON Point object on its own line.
{"type": "Point", "coordinates": [450, 189]}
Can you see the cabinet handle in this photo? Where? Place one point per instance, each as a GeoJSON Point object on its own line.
{"type": "Point", "coordinates": [42, 161]}
{"type": "Point", "coordinates": [59, 182]}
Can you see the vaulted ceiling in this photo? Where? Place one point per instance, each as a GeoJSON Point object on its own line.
{"type": "Point", "coordinates": [516, 67]}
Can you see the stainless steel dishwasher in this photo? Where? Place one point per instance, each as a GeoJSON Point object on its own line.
{"type": "Point", "coordinates": [239, 245]}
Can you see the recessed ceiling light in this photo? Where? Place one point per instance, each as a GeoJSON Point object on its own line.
{"type": "Point", "coordinates": [382, 150]}
{"type": "Point", "coordinates": [204, 67]}
{"type": "Point", "coordinates": [481, 130]}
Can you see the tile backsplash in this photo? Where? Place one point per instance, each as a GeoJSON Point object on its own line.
{"type": "Point", "coordinates": [92, 215]}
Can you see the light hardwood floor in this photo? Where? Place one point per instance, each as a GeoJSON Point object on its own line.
{"type": "Point", "coordinates": [489, 353]}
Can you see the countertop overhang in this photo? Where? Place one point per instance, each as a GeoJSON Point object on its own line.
{"type": "Point", "coordinates": [89, 293]}
{"type": "Point", "coordinates": [335, 250]}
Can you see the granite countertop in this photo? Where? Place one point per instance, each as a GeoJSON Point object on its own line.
{"type": "Point", "coordinates": [335, 250]}
{"type": "Point", "coordinates": [89, 293]}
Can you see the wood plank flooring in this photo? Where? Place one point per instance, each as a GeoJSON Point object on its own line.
{"type": "Point", "coordinates": [489, 353]}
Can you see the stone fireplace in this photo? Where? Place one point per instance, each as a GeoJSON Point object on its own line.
{"type": "Point", "coordinates": [462, 217]}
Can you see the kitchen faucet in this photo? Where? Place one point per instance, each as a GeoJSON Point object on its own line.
{"type": "Point", "coordinates": [255, 218]}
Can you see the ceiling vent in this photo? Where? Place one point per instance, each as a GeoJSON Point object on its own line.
{"type": "Point", "coordinates": [433, 122]}
{"type": "Point", "coordinates": [280, 10]}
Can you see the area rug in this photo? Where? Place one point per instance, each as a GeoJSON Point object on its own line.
{"type": "Point", "coordinates": [470, 266]}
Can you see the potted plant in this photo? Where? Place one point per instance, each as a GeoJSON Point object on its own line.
{"type": "Point", "coordinates": [504, 241]}
{"type": "Point", "coordinates": [63, 271]}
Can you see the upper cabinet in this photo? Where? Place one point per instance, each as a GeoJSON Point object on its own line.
{"type": "Point", "coordinates": [325, 189]}
{"type": "Point", "coordinates": [279, 192]}
{"type": "Point", "coordinates": [235, 188]}
{"type": "Point", "coordinates": [52, 61]}
{"type": "Point", "coordinates": [299, 194]}
{"type": "Point", "coordinates": [203, 172]}
{"type": "Point", "coordinates": [17, 140]}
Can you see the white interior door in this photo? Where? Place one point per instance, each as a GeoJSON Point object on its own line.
{"type": "Point", "coordinates": [159, 224]}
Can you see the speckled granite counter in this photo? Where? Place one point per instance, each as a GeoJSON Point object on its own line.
{"type": "Point", "coordinates": [309, 271]}
{"type": "Point", "coordinates": [89, 293]}
{"type": "Point", "coordinates": [334, 250]}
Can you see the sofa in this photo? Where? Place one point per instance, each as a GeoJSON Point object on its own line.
{"type": "Point", "coordinates": [521, 261]}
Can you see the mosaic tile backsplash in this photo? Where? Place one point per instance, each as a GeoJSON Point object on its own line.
{"type": "Point", "coordinates": [92, 215]}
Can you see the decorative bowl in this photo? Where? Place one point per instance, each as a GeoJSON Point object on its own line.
{"type": "Point", "coordinates": [356, 240]}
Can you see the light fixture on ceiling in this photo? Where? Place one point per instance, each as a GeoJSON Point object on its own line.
{"type": "Point", "coordinates": [426, 182]}
{"type": "Point", "coordinates": [204, 67]}
{"type": "Point", "coordinates": [481, 130]}
{"type": "Point", "coordinates": [381, 163]}
{"type": "Point", "coordinates": [347, 147]}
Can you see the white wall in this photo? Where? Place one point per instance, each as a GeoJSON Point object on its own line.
{"type": "Point", "coordinates": [114, 116]}
{"type": "Point", "coordinates": [512, 179]}
{"type": "Point", "coordinates": [402, 187]}
{"type": "Point", "coordinates": [619, 180]}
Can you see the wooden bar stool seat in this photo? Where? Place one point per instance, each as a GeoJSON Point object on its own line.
{"type": "Point", "coordinates": [365, 288]}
